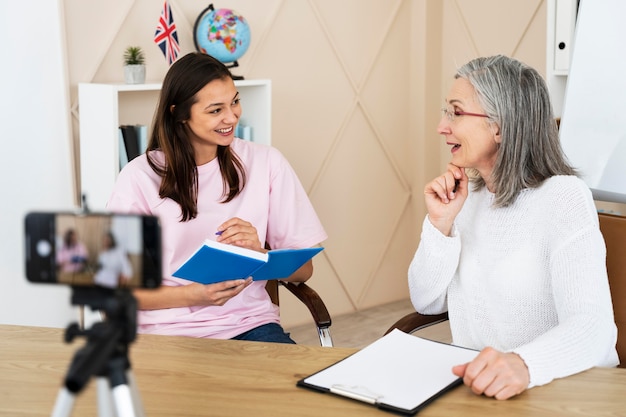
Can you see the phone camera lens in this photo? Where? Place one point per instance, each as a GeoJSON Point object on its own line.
{"type": "Point", "coordinates": [43, 248]}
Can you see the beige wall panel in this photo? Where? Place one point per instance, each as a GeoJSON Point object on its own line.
{"type": "Point", "coordinates": [357, 28]}
{"type": "Point", "coordinates": [426, 75]}
{"type": "Point", "coordinates": [360, 201]}
{"type": "Point", "coordinates": [488, 27]}
{"type": "Point", "coordinates": [138, 30]}
{"type": "Point", "coordinates": [496, 26]}
{"type": "Point", "coordinates": [90, 28]}
{"type": "Point", "coordinates": [531, 48]}
{"type": "Point", "coordinates": [385, 95]}
{"type": "Point", "coordinates": [457, 46]}
{"type": "Point", "coordinates": [310, 92]}
{"type": "Point", "coordinates": [389, 282]}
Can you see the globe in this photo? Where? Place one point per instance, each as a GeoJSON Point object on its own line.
{"type": "Point", "coordinates": [222, 33]}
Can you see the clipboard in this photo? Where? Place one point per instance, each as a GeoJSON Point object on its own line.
{"type": "Point", "coordinates": [399, 372]}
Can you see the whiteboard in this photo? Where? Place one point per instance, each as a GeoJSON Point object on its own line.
{"type": "Point", "coordinates": [593, 124]}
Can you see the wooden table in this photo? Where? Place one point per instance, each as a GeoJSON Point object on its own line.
{"type": "Point", "coordinates": [192, 377]}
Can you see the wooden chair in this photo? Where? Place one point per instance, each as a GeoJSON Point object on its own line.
{"type": "Point", "coordinates": [614, 231]}
{"type": "Point", "coordinates": [311, 300]}
{"type": "Point", "coordinates": [415, 321]}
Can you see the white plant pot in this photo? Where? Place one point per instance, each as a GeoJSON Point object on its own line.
{"type": "Point", "coordinates": [134, 74]}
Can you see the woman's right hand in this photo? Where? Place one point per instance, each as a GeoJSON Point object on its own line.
{"type": "Point", "coordinates": [215, 294]}
{"type": "Point", "coordinates": [445, 196]}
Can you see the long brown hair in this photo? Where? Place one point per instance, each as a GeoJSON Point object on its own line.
{"type": "Point", "coordinates": [179, 173]}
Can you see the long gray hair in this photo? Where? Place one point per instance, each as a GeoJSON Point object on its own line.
{"type": "Point", "coordinates": [516, 98]}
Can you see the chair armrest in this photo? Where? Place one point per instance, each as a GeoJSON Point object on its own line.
{"type": "Point", "coordinates": [413, 322]}
{"type": "Point", "coordinates": [312, 300]}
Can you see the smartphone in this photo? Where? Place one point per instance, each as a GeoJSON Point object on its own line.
{"type": "Point", "coordinates": [95, 249]}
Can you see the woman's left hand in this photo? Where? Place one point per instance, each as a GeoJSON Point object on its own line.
{"type": "Point", "coordinates": [239, 232]}
{"type": "Point", "coordinates": [495, 374]}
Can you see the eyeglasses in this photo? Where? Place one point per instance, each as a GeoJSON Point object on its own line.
{"type": "Point", "coordinates": [452, 114]}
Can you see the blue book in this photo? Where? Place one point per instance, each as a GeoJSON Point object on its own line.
{"type": "Point", "coordinates": [142, 138]}
{"type": "Point", "coordinates": [215, 262]}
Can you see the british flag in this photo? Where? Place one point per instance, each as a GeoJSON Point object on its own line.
{"type": "Point", "coordinates": [166, 36]}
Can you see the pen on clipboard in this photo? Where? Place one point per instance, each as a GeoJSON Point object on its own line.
{"type": "Point", "coordinates": [356, 393]}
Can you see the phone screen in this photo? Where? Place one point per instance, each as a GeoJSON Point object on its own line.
{"type": "Point", "coordinates": [104, 250]}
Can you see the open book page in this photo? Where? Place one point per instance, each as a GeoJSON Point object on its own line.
{"type": "Point", "coordinates": [399, 370]}
{"type": "Point", "coordinates": [249, 253]}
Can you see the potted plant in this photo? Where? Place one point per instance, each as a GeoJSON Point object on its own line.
{"type": "Point", "coordinates": [134, 65]}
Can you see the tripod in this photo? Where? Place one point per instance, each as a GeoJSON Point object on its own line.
{"type": "Point", "coordinates": [105, 355]}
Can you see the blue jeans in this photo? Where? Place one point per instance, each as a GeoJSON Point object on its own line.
{"type": "Point", "coordinates": [270, 332]}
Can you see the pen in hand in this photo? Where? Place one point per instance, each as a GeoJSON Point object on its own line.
{"type": "Point", "coordinates": [456, 184]}
{"type": "Point", "coordinates": [219, 232]}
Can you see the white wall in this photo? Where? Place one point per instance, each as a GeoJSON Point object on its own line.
{"type": "Point", "coordinates": [36, 172]}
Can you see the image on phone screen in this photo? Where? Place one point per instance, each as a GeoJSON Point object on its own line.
{"type": "Point", "coordinates": [112, 251]}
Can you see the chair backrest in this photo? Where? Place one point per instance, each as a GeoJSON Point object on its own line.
{"type": "Point", "coordinates": [310, 298]}
{"type": "Point", "coordinates": [272, 289]}
{"type": "Point", "coordinates": [614, 231]}
{"type": "Point", "coordinates": [272, 285]}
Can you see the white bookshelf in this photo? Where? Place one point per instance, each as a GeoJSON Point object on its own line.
{"type": "Point", "coordinates": [561, 28]}
{"type": "Point", "coordinates": [104, 107]}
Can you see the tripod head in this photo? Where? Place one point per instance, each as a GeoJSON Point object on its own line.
{"type": "Point", "coordinates": [106, 350]}
{"type": "Point", "coordinates": [118, 305]}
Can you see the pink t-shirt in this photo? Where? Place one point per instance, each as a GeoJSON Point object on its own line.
{"type": "Point", "coordinates": [273, 200]}
{"type": "Point", "coordinates": [72, 259]}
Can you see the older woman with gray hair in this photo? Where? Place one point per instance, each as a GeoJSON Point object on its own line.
{"type": "Point", "coordinates": [511, 245]}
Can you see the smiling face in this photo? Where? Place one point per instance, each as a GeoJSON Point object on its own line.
{"type": "Point", "coordinates": [213, 118]}
{"type": "Point", "coordinates": [474, 139]}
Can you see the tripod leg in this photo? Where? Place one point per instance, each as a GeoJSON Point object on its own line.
{"type": "Point", "coordinates": [123, 388]}
{"type": "Point", "coordinates": [123, 400]}
{"type": "Point", "coordinates": [105, 399]}
{"type": "Point", "coordinates": [64, 404]}
{"type": "Point", "coordinates": [139, 412]}
{"type": "Point", "coordinates": [125, 397]}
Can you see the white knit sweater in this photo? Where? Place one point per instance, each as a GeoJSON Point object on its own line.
{"type": "Point", "coordinates": [529, 278]}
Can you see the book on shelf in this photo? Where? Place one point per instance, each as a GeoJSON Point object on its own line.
{"type": "Point", "coordinates": [215, 262]}
{"type": "Point", "coordinates": [243, 131]}
{"type": "Point", "coordinates": [123, 157]}
{"type": "Point", "coordinates": [399, 372]}
{"type": "Point", "coordinates": [133, 142]}
{"type": "Point", "coordinates": [142, 138]}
